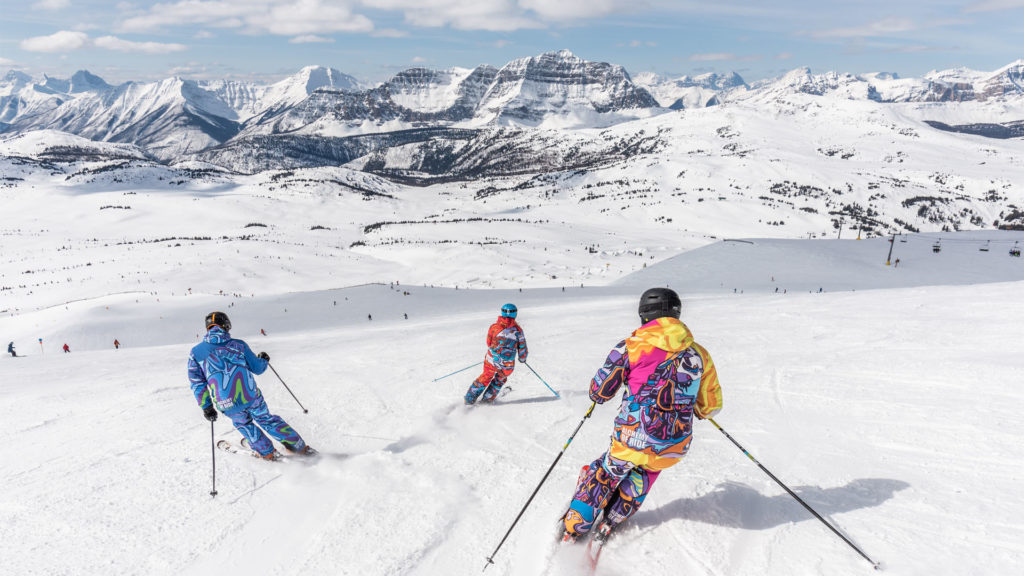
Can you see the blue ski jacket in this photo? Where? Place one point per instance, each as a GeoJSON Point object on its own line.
{"type": "Point", "coordinates": [224, 367]}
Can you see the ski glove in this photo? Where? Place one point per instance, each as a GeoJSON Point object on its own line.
{"type": "Point", "coordinates": [210, 413]}
{"type": "Point", "coordinates": [264, 356]}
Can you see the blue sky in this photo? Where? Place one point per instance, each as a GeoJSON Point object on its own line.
{"type": "Point", "coordinates": [266, 40]}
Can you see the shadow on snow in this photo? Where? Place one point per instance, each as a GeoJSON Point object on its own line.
{"type": "Point", "coordinates": [736, 505]}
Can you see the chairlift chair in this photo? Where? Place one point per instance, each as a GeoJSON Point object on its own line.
{"type": "Point", "coordinates": [936, 248]}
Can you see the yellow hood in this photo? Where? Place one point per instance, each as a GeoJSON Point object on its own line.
{"type": "Point", "coordinates": [668, 334]}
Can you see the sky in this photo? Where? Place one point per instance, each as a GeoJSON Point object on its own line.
{"type": "Point", "coordinates": [265, 40]}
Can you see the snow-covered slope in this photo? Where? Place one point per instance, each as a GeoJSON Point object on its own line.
{"type": "Point", "coordinates": [562, 88]}
{"type": "Point", "coordinates": [19, 97]}
{"type": "Point", "coordinates": [168, 118]}
{"type": "Point", "coordinates": [245, 98]}
{"type": "Point", "coordinates": [299, 86]}
{"type": "Point", "coordinates": [426, 90]}
{"type": "Point", "coordinates": [689, 92]}
{"type": "Point", "coordinates": [51, 145]}
{"type": "Point", "coordinates": [839, 394]}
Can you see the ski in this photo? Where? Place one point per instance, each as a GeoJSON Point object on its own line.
{"type": "Point", "coordinates": [596, 544]}
{"type": "Point", "coordinates": [243, 450]}
{"type": "Point", "coordinates": [505, 391]}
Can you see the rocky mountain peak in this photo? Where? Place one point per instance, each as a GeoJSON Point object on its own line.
{"type": "Point", "coordinates": [85, 81]}
{"type": "Point", "coordinates": [16, 77]}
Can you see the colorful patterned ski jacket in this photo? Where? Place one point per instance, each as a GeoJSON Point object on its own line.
{"type": "Point", "coordinates": [224, 366]}
{"type": "Point", "coordinates": [668, 378]}
{"type": "Point", "coordinates": [505, 340]}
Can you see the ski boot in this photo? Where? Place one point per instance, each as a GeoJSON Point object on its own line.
{"type": "Point", "coordinates": [273, 456]}
{"type": "Point", "coordinates": [307, 450]}
{"type": "Point", "coordinates": [568, 537]}
{"type": "Point", "coordinates": [603, 532]}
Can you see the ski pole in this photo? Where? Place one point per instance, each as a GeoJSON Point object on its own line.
{"type": "Point", "coordinates": [456, 372]}
{"type": "Point", "coordinates": [791, 493]}
{"type": "Point", "coordinates": [304, 411]}
{"type": "Point", "coordinates": [557, 395]}
{"type": "Point", "coordinates": [490, 559]}
{"type": "Point", "coordinates": [213, 460]}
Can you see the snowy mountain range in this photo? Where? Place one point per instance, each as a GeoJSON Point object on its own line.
{"type": "Point", "coordinates": [175, 118]}
{"type": "Point", "coordinates": [820, 149]}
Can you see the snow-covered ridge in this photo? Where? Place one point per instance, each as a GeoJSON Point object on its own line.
{"type": "Point", "coordinates": [174, 119]}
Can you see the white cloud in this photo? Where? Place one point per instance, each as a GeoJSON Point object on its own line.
{"type": "Point", "coordinates": [886, 27]}
{"type": "Point", "coordinates": [281, 17]}
{"type": "Point", "coordinates": [51, 5]}
{"type": "Point", "coordinates": [298, 18]}
{"type": "Point", "coordinates": [784, 56]}
{"type": "Point", "coordinates": [493, 15]}
{"type": "Point", "coordinates": [419, 59]}
{"type": "Point", "coordinates": [203, 35]}
{"type": "Point", "coordinates": [115, 43]}
{"type": "Point", "coordinates": [63, 41]}
{"type": "Point", "coordinates": [995, 5]}
{"type": "Point", "coordinates": [6, 62]}
{"type": "Point", "coordinates": [562, 10]}
{"type": "Point", "coordinates": [69, 41]}
{"type": "Point", "coordinates": [309, 38]}
{"type": "Point", "coordinates": [389, 33]}
{"type": "Point", "coordinates": [714, 57]}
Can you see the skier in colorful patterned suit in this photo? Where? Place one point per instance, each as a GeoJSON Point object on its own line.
{"type": "Point", "coordinates": [220, 372]}
{"type": "Point", "coordinates": [667, 379]}
{"type": "Point", "coordinates": [505, 340]}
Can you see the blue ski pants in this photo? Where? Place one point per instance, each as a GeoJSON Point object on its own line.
{"type": "Point", "coordinates": [248, 419]}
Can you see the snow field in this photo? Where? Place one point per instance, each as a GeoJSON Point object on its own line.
{"type": "Point", "coordinates": [892, 412]}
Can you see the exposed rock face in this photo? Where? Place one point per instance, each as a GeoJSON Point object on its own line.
{"type": "Point", "coordinates": [524, 91]}
{"type": "Point", "coordinates": [560, 82]}
{"type": "Point", "coordinates": [1006, 82]}
{"type": "Point", "coordinates": [1000, 131]}
{"type": "Point", "coordinates": [174, 119]}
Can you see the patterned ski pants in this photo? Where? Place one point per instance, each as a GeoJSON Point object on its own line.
{"type": "Point", "coordinates": [613, 484]}
{"type": "Point", "coordinates": [250, 418]}
{"type": "Point", "coordinates": [489, 383]}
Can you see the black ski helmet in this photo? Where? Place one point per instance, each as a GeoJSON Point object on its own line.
{"type": "Point", "coordinates": [658, 303]}
{"type": "Point", "coordinates": [218, 319]}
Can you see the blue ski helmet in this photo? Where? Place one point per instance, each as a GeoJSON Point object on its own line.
{"type": "Point", "coordinates": [509, 311]}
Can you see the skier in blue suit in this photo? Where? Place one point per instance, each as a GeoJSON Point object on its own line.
{"type": "Point", "coordinates": [223, 367]}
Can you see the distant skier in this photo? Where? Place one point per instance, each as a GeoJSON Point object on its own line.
{"type": "Point", "coordinates": [224, 367]}
{"type": "Point", "coordinates": [67, 350]}
{"type": "Point", "coordinates": [117, 344]}
{"type": "Point", "coordinates": [262, 332]}
{"type": "Point", "coordinates": [668, 379]}
{"type": "Point", "coordinates": [10, 350]}
{"type": "Point", "coordinates": [505, 340]}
